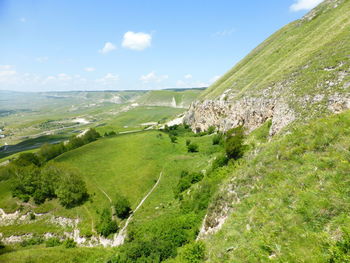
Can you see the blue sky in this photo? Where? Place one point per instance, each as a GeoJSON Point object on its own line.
{"type": "Point", "coordinates": [96, 45]}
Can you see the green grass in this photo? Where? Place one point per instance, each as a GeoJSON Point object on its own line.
{"type": "Point", "coordinates": [134, 118]}
{"type": "Point", "coordinates": [294, 198]}
{"type": "Point", "coordinates": [182, 98]}
{"type": "Point", "coordinates": [40, 254]}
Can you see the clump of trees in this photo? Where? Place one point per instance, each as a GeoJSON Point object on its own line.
{"type": "Point", "coordinates": [106, 225]}
{"type": "Point", "coordinates": [50, 151]}
{"type": "Point", "coordinates": [234, 143]}
{"type": "Point", "coordinates": [122, 206]}
{"type": "Point", "coordinates": [53, 181]}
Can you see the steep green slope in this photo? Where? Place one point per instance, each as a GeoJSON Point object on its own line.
{"type": "Point", "coordinates": [290, 202]}
{"type": "Point", "coordinates": [300, 72]}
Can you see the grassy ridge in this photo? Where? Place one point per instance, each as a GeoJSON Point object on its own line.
{"type": "Point", "coordinates": [181, 98]}
{"type": "Point", "coordinates": [299, 59]}
{"type": "Point", "coordinates": [294, 201]}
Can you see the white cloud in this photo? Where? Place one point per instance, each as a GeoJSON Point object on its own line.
{"type": "Point", "coordinates": [153, 77]}
{"type": "Point", "coordinates": [42, 59]}
{"type": "Point", "coordinates": [23, 19]}
{"type": "Point", "coordinates": [108, 47]}
{"type": "Point", "coordinates": [5, 67]}
{"type": "Point", "coordinates": [89, 69]}
{"type": "Point", "coordinates": [136, 41]}
{"type": "Point", "coordinates": [304, 5]}
{"type": "Point", "coordinates": [188, 76]}
{"type": "Point", "coordinates": [109, 79]}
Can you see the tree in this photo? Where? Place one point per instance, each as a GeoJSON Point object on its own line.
{"type": "Point", "coordinates": [90, 136]}
{"type": "Point", "coordinates": [25, 159]}
{"type": "Point", "coordinates": [234, 146]}
{"type": "Point", "coordinates": [71, 190]}
{"type": "Point", "coordinates": [122, 206]}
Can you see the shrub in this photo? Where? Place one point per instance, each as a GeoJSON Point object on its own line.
{"type": "Point", "coordinates": [211, 129]}
{"type": "Point", "coordinates": [192, 252]}
{"type": "Point", "coordinates": [50, 151]}
{"type": "Point", "coordinates": [32, 241]}
{"type": "Point", "coordinates": [106, 225]}
{"type": "Point", "coordinates": [192, 147]}
{"type": "Point", "coordinates": [32, 216]}
{"type": "Point", "coordinates": [234, 143]}
{"type": "Point", "coordinates": [173, 138]}
{"type": "Point", "coordinates": [188, 142]}
{"type": "Point", "coordinates": [53, 242]}
{"type": "Point", "coordinates": [69, 243]}
{"type": "Point", "coordinates": [122, 206]}
{"type": "Point", "coordinates": [217, 139]}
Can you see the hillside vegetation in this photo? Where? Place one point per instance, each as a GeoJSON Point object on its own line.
{"type": "Point", "coordinates": [290, 202]}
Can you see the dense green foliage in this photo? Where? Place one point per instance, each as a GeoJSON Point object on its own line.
{"type": "Point", "coordinates": [192, 147]}
{"type": "Point", "coordinates": [186, 180]}
{"type": "Point", "coordinates": [106, 225]}
{"type": "Point", "coordinates": [234, 146]}
{"type": "Point", "coordinates": [122, 206]}
{"type": "Point", "coordinates": [53, 242]}
{"type": "Point", "coordinates": [48, 182]}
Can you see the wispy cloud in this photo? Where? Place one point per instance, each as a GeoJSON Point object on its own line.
{"type": "Point", "coordinates": [136, 41]}
{"type": "Point", "coordinates": [153, 77]}
{"type": "Point", "coordinates": [89, 69]}
{"type": "Point", "coordinates": [108, 47]}
{"type": "Point", "coordinates": [23, 20]}
{"type": "Point", "coordinates": [300, 5]}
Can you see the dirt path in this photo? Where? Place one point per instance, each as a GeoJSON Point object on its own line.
{"type": "Point", "coordinates": [120, 237]}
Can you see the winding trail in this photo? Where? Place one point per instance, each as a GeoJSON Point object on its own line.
{"type": "Point", "coordinates": [120, 237]}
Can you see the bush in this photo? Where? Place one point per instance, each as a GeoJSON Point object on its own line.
{"type": "Point", "coordinates": [211, 129]}
{"type": "Point", "coordinates": [173, 138]}
{"type": "Point", "coordinates": [192, 252]}
{"type": "Point", "coordinates": [122, 207]}
{"type": "Point", "coordinates": [32, 216]}
{"type": "Point", "coordinates": [217, 139]}
{"type": "Point", "coordinates": [32, 241]}
{"type": "Point", "coordinates": [106, 225]}
{"type": "Point", "coordinates": [192, 147]}
{"type": "Point", "coordinates": [69, 243]}
{"type": "Point", "coordinates": [234, 143]}
{"type": "Point", "coordinates": [90, 136]}
{"type": "Point", "coordinates": [188, 142]}
{"type": "Point", "coordinates": [53, 242]}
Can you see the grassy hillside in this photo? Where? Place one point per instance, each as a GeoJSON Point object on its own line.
{"type": "Point", "coordinates": [170, 98]}
{"type": "Point", "coordinates": [126, 164]}
{"type": "Point", "coordinates": [303, 59]}
{"type": "Point", "coordinates": [291, 200]}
